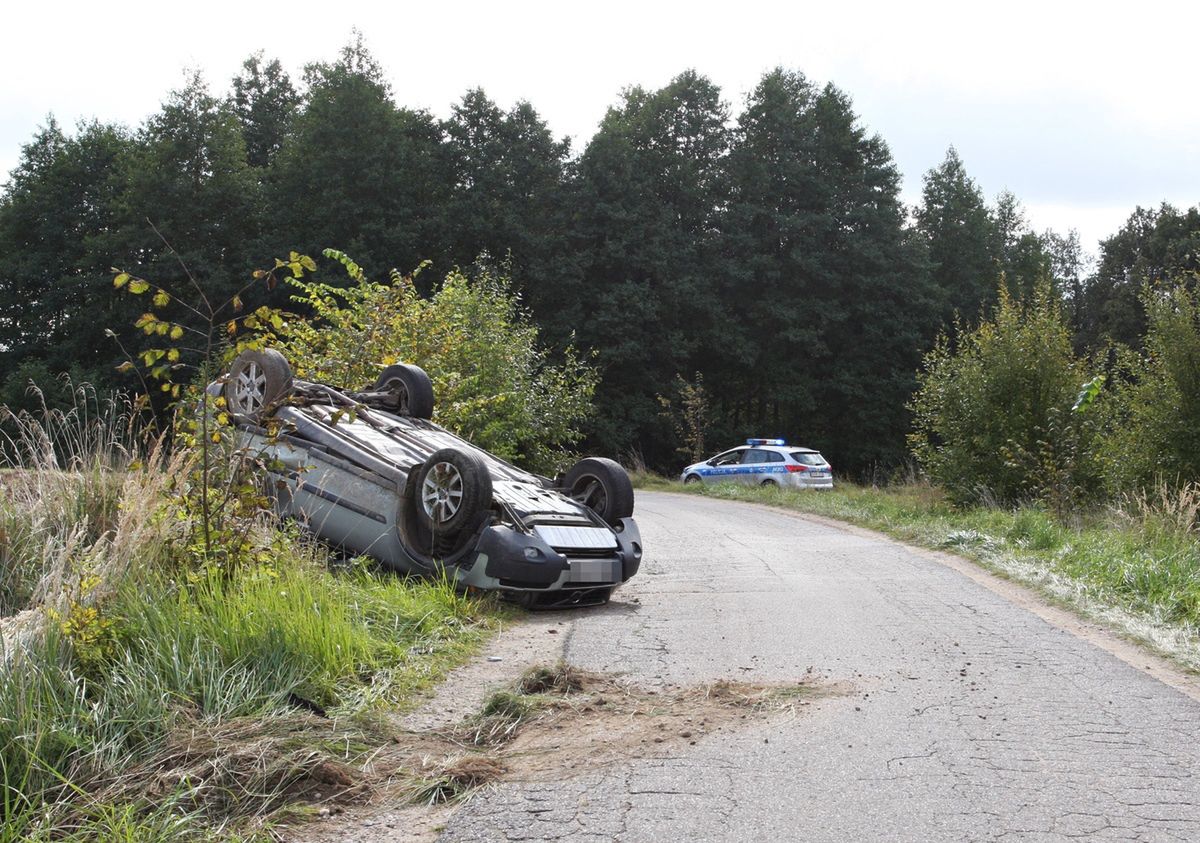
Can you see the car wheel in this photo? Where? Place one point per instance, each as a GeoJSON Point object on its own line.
{"type": "Point", "coordinates": [413, 389]}
{"type": "Point", "coordinates": [691, 479]}
{"type": "Point", "coordinates": [453, 489]}
{"type": "Point", "coordinates": [257, 381]}
{"type": "Point", "coordinates": [768, 483]}
{"type": "Point", "coordinates": [603, 486]}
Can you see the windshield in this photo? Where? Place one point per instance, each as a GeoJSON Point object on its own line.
{"type": "Point", "coordinates": [808, 458]}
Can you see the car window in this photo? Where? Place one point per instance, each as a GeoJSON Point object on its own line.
{"type": "Point", "coordinates": [727, 458]}
{"type": "Point", "coordinates": [754, 455]}
{"type": "Point", "coordinates": [808, 458]}
{"type": "Point", "coordinates": [774, 456]}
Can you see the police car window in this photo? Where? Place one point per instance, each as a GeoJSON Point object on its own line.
{"type": "Point", "coordinates": [807, 458]}
{"type": "Point", "coordinates": [774, 456]}
{"type": "Point", "coordinates": [727, 458]}
{"type": "Point", "coordinates": [754, 455]}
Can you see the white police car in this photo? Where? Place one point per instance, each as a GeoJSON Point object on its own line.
{"type": "Point", "coordinates": [764, 462]}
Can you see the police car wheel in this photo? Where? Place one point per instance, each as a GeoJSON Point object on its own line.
{"type": "Point", "coordinates": [690, 479]}
{"type": "Point", "coordinates": [768, 483]}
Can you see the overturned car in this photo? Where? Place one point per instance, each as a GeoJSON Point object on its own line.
{"type": "Point", "coordinates": [370, 473]}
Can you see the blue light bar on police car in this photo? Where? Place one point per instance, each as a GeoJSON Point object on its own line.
{"type": "Point", "coordinates": [766, 441]}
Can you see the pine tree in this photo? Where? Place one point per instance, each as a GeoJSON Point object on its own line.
{"type": "Point", "coordinates": [953, 219]}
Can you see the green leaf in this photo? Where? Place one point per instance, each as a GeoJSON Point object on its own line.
{"type": "Point", "coordinates": [137, 286]}
{"type": "Point", "coordinates": [121, 280]}
{"type": "Point", "coordinates": [161, 299]}
{"type": "Point", "coordinates": [1087, 394]}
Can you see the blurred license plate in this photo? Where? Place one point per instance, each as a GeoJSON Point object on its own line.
{"type": "Point", "coordinates": [595, 570]}
{"type": "Point", "coordinates": [821, 474]}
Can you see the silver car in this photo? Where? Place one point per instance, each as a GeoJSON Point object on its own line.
{"type": "Point", "coordinates": [369, 472]}
{"type": "Point", "coordinates": [764, 462]}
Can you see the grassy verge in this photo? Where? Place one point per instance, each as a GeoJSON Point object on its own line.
{"type": "Point", "coordinates": [151, 692]}
{"type": "Point", "coordinates": [1135, 567]}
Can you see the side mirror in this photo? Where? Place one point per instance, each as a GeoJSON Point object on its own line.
{"type": "Point", "coordinates": [710, 462]}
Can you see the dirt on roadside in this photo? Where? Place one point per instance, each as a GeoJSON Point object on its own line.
{"type": "Point", "coordinates": [550, 721]}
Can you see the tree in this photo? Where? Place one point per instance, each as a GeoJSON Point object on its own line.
{"type": "Point", "coordinates": [56, 246]}
{"type": "Point", "coordinates": [824, 282]}
{"type": "Point", "coordinates": [190, 184]}
{"type": "Point", "coordinates": [994, 418]}
{"type": "Point", "coordinates": [1022, 256]}
{"type": "Point", "coordinates": [507, 174]}
{"type": "Point", "coordinates": [1154, 432]}
{"type": "Point", "coordinates": [1153, 246]}
{"type": "Point", "coordinates": [357, 171]}
{"type": "Point", "coordinates": [645, 294]}
{"type": "Point", "coordinates": [953, 220]}
{"type": "Point", "coordinates": [265, 103]}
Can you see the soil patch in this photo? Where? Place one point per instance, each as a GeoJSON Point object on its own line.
{"type": "Point", "coordinates": [555, 722]}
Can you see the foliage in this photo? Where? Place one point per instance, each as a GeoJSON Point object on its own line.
{"type": "Point", "coordinates": [1154, 426]}
{"type": "Point", "coordinates": [993, 418]}
{"type": "Point", "coordinates": [688, 413]}
{"type": "Point", "coordinates": [494, 385]}
{"type": "Point", "coordinates": [357, 171]}
{"type": "Point", "coordinates": [1155, 245]}
{"type": "Point", "coordinates": [825, 295]}
{"type": "Point", "coordinates": [264, 101]}
{"type": "Point", "coordinates": [767, 250]}
{"type": "Point", "coordinates": [645, 240]}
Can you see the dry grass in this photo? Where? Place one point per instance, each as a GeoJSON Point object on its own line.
{"type": "Point", "coordinates": [1176, 508]}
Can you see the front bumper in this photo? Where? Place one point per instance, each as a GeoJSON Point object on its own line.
{"type": "Point", "coordinates": [511, 560]}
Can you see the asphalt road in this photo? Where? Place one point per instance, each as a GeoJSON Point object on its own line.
{"type": "Point", "coordinates": [966, 715]}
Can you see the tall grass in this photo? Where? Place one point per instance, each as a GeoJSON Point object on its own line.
{"type": "Point", "coordinates": [147, 695]}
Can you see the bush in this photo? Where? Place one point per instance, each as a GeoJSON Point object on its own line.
{"type": "Point", "coordinates": [993, 417]}
{"type": "Point", "coordinates": [1155, 425]}
{"type": "Point", "coordinates": [494, 385]}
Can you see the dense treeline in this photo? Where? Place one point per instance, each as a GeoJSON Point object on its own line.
{"type": "Point", "coordinates": [762, 252]}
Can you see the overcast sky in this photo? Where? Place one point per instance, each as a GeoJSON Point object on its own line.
{"type": "Point", "coordinates": [1083, 110]}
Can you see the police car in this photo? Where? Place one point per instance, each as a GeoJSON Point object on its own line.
{"type": "Point", "coordinates": [764, 462]}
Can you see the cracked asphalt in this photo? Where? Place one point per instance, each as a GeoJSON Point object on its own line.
{"type": "Point", "coordinates": [967, 716]}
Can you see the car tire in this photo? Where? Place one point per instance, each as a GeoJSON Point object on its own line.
{"type": "Point", "coordinates": [413, 388]}
{"type": "Point", "coordinates": [769, 483]}
{"type": "Point", "coordinates": [691, 480]}
{"type": "Point", "coordinates": [257, 381]}
{"type": "Point", "coordinates": [603, 486]}
{"type": "Point", "coordinates": [453, 489]}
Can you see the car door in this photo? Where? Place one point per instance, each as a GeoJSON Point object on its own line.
{"type": "Point", "coordinates": [724, 467]}
{"type": "Point", "coordinates": [754, 462]}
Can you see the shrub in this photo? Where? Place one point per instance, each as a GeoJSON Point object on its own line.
{"type": "Point", "coordinates": [993, 417]}
{"type": "Point", "coordinates": [494, 384]}
{"type": "Point", "coordinates": [1155, 426]}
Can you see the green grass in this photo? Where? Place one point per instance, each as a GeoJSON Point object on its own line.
{"type": "Point", "coordinates": [1136, 567]}
{"type": "Point", "coordinates": [149, 694]}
